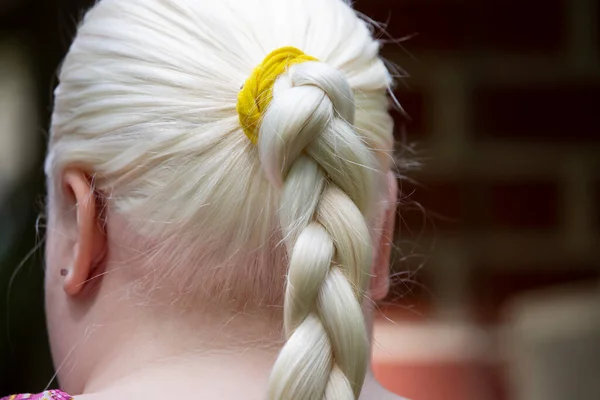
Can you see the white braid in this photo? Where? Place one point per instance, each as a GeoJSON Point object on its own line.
{"type": "Point", "coordinates": [309, 148]}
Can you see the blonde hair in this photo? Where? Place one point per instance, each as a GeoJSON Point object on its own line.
{"type": "Point", "coordinates": [147, 106]}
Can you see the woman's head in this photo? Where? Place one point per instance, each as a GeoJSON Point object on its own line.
{"type": "Point", "coordinates": [152, 180]}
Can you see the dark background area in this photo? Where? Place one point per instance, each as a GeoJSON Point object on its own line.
{"type": "Point", "coordinates": [39, 32]}
{"type": "Point", "coordinates": [501, 97]}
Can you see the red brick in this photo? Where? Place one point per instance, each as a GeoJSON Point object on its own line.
{"type": "Point", "coordinates": [554, 112]}
{"type": "Point", "coordinates": [511, 25]}
{"type": "Point", "coordinates": [494, 286]}
{"type": "Point", "coordinates": [449, 380]}
{"type": "Point", "coordinates": [525, 205]}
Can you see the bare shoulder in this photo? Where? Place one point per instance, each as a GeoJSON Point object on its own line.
{"type": "Point", "coordinates": [374, 391]}
{"type": "Point", "coordinates": [392, 396]}
{"type": "Point", "coordinates": [384, 395]}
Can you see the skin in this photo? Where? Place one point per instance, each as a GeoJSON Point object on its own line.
{"type": "Point", "coordinates": [108, 346]}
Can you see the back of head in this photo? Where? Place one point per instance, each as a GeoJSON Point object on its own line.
{"type": "Point", "coordinates": [147, 107]}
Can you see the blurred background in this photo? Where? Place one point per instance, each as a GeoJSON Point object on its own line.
{"type": "Point", "coordinates": [497, 270]}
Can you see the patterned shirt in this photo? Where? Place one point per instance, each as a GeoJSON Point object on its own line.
{"type": "Point", "coordinates": [47, 395]}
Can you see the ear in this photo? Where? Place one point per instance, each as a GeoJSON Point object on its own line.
{"type": "Point", "coordinates": [380, 282]}
{"type": "Point", "coordinates": [89, 246]}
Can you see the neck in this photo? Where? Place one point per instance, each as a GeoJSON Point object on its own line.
{"type": "Point", "coordinates": [174, 361]}
{"type": "Point", "coordinates": [158, 351]}
{"type": "Point", "coordinates": [131, 350]}
{"type": "Point", "coordinates": [240, 372]}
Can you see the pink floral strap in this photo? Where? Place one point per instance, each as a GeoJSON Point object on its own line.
{"type": "Point", "coordinates": [47, 395]}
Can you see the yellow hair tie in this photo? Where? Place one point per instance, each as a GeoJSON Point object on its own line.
{"type": "Point", "coordinates": [257, 92]}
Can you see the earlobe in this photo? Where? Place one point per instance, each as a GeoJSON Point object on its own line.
{"type": "Point", "coordinates": [78, 272]}
{"type": "Point", "coordinates": [90, 241]}
{"type": "Point", "coordinates": [380, 283]}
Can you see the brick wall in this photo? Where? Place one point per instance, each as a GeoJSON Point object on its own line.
{"type": "Point", "coordinates": [501, 96]}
